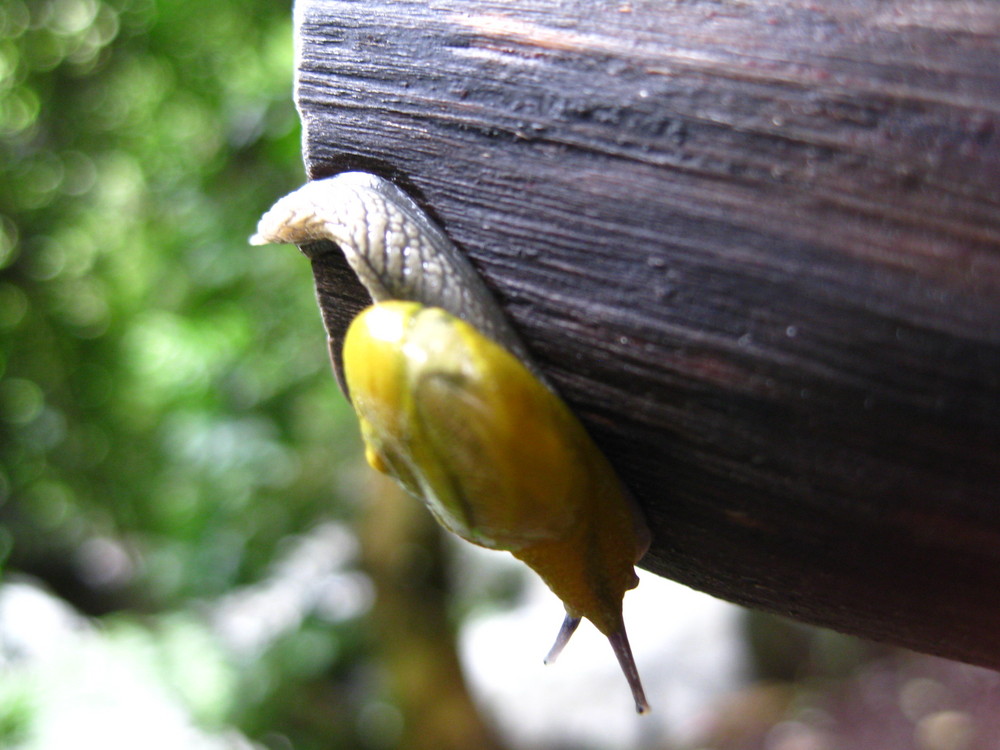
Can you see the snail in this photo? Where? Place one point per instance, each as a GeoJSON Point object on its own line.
{"type": "Point", "coordinates": [452, 407]}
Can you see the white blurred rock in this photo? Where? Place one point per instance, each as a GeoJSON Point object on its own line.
{"type": "Point", "coordinates": [34, 625]}
{"type": "Point", "coordinates": [79, 689]}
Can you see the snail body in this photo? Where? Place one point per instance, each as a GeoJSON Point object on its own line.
{"type": "Point", "coordinates": [451, 407]}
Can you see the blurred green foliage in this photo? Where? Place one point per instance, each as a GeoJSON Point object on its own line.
{"type": "Point", "coordinates": [167, 416]}
{"type": "Point", "coordinates": [160, 377]}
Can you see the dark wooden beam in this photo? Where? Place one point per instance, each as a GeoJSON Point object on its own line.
{"type": "Point", "coordinates": [756, 245]}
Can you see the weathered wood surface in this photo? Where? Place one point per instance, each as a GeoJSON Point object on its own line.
{"type": "Point", "coordinates": [755, 244]}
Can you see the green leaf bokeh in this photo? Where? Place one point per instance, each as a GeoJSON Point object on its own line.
{"type": "Point", "coordinates": [167, 415]}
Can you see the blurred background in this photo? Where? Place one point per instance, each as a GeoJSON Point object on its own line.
{"type": "Point", "coordinates": [192, 552]}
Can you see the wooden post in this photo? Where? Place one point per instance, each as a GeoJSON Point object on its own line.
{"type": "Point", "coordinates": [756, 245]}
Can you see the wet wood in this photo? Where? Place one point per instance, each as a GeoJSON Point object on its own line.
{"type": "Point", "coordinates": [757, 247]}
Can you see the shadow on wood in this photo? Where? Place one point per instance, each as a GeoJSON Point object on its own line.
{"type": "Point", "coordinates": [757, 248]}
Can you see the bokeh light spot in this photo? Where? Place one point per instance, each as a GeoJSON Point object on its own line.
{"type": "Point", "coordinates": [21, 400]}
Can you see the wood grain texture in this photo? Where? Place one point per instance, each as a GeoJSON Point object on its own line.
{"type": "Point", "coordinates": [755, 244]}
